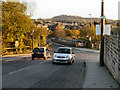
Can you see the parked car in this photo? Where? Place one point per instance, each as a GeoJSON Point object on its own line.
{"type": "Point", "coordinates": [40, 52]}
{"type": "Point", "coordinates": [63, 55]}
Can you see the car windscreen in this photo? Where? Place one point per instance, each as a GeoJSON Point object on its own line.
{"type": "Point", "coordinates": [38, 50]}
{"type": "Point", "coordinates": [67, 51]}
{"type": "Point", "coordinates": [41, 50]}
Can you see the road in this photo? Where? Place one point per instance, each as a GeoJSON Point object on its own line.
{"type": "Point", "coordinates": [43, 74]}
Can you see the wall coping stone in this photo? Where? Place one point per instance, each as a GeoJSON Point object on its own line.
{"type": "Point", "coordinates": [116, 30]}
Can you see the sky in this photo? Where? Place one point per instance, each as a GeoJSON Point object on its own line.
{"type": "Point", "coordinates": [50, 8]}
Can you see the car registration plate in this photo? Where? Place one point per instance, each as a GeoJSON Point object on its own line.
{"type": "Point", "coordinates": [38, 53]}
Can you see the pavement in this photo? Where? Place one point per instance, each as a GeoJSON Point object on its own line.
{"type": "Point", "coordinates": [7, 58]}
{"type": "Point", "coordinates": [83, 49]}
{"type": "Point", "coordinates": [96, 76]}
{"type": "Point", "coordinates": [88, 50]}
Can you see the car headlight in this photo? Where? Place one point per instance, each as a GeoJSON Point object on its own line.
{"type": "Point", "coordinates": [55, 56]}
{"type": "Point", "coordinates": [67, 57]}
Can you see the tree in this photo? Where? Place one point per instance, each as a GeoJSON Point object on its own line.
{"type": "Point", "coordinates": [69, 32]}
{"type": "Point", "coordinates": [15, 21]}
{"type": "Point", "coordinates": [59, 32]}
{"type": "Point", "coordinates": [85, 31]}
{"type": "Point", "coordinates": [90, 30]}
{"type": "Point", "coordinates": [76, 33]}
{"type": "Point", "coordinates": [40, 35]}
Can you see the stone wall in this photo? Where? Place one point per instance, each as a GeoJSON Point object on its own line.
{"type": "Point", "coordinates": [112, 53]}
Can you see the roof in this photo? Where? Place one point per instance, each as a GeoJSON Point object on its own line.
{"type": "Point", "coordinates": [41, 47]}
{"type": "Point", "coordinates": [66, 47]}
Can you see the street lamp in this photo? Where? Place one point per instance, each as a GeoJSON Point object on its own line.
{"type": "Point", "coordinates": [32, 38]}
{"type": "Point", "coordinates": [16, 43]}
{"type": "Point", "coordinates": [91, 17]}
{"type": "Point", "coordinates": [102, 34]}
{"type": "Point", "coordinates": [91, 27]}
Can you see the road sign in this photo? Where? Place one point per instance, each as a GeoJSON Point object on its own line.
{"type": "Point", "coordinates": [90, 39]}
{"type": "Point", "coordinates": [16, 43]}
{"type": "Point", "coordinates": [87, 36]}
{"type": "Point", "coordinates": [106, 31]}
{"type": "Point", "coordinates": [102, 17]}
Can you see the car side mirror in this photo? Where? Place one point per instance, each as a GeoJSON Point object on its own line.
{"type": "Point", "coordinates": [72, 52]}
{"type": "Point", "coordinates": [54, 51]}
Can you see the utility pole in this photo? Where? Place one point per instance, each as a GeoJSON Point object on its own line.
{"type": "Point", "coordinates": [16, 44]}
{"type": "Point", "coordinates": [32, 40]}
{"type": "Point", "coordinates": [102, 34]}
{"type": "Point", "coordinates": [32, 37]}
{"type": "Point", "coordinates": [91, 27]}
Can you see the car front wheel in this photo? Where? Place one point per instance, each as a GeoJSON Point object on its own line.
{"type": "Point", "coordinates": [73, 60]}
{"type": "Point", "coordinates": [70, 62]}
{"type": "Point", "coordinates": [32, 58]}
{"type": "Point", "coordinates": [53, 62]}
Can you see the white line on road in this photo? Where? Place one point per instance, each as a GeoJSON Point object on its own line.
{"type": "Point", "coordinates": [20, 70]}
{"type": "Point", "coordinates": [24, 68]}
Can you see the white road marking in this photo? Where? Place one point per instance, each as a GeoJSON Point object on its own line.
{"type": "Point", "coordinates": [24, 68]}
{"type": "Point", "coordinates": [20, 70]}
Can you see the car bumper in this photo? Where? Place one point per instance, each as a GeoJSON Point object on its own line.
{"type": "Point", "coordinates": [61, 61]}
{"type": "Point", "coordinates": [38, 55]}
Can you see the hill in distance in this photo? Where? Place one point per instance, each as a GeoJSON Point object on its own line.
{"type": "Point", "coordinates": [70, 18]}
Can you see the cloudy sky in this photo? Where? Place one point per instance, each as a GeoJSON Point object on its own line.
{"type": "Point", "coordinates": [50, 8]}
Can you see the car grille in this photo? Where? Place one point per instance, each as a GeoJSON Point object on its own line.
{"type": "Point", "coordinates": [60, 57]}
{"type": "Point", "coordinates": [61, 60]}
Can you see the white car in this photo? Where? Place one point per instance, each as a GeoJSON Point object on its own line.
{"type": "Point", "coordinates": [63, 55]}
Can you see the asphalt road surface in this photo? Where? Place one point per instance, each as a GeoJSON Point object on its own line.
{"type": "Point", "coordinates": [43, 74]}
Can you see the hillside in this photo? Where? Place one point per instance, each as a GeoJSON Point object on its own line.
{"type": "Point", "coordinates": [70, 18]}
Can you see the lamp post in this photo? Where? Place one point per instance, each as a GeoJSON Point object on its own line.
{"type": "Point", "coordinates": [16, 43]}
{"type": "Point", "coordinates": [102, 34]}
{"type": "Point", "coordinates": [91, 27]}
{"type": "Point", "coordinates": [32, 38]}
